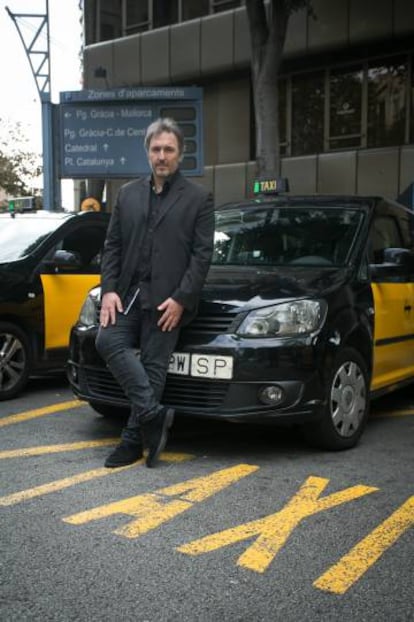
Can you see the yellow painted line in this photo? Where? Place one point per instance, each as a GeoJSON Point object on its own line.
{"type": "Point", "coordinates": [340, 577]}
{"type": "Point", "coordinates": [40, 412]}
{"type": "Point", "coordinates": [395, 413]}
{"type": "Point", "coordinates": [272, 532]}
{"type": "Point", "coordinates": [150, 510]}
{"type": "Point", "coordinates": [60, 484]}
{"type": "Point", "coordinates": [53, 449]}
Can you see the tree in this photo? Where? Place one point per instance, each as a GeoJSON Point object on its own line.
{"type": "Point", "coordinates": [268, 34]}
{"type": "Point", "coordinates": [20, 168]}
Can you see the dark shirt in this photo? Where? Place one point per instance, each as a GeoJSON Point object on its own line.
{"type": "Point", "coordinates": [143, 274]}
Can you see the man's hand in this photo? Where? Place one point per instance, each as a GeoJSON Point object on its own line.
{"type": "Point", "coordinates": [111, 303]}
{"type": "Point", "coordinates": [172, 312]}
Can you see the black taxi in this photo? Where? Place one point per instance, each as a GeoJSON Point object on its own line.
{"type": "Point", "coordinates": [48, 263]}
{"type": "Point", "coordinates": [307, 314]}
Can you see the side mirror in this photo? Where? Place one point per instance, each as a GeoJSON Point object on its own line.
{"type": "Point", "coordinates": [397, 264]}
{"type": "Point", "coordinates": [399, 257]}
{"type": "Point", "coordinates": [66, 259]}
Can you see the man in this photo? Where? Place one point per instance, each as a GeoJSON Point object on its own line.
{"type": "Point", "coordinates": [156, 257]}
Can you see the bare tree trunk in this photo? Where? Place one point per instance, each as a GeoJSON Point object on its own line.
{"type": "Point", "coordinates": [267, 42]}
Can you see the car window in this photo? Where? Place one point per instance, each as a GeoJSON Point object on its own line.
{"type": "Point", "coordinates": [87, 242]}
{"type": "Point", "coordinates": [20, 236]}
{"type": "Point", "coordinates": [385, 234]}
{"type": "Point", "coordinates": [303, 235]}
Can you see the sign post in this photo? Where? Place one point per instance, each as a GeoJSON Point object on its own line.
{"type": "Point", "coordinates": [102, 132]}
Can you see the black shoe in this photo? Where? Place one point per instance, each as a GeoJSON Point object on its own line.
{"type": "Point", "coordinates": [125, 453]}
{"type": "Point", "coordinates": [156, 433]}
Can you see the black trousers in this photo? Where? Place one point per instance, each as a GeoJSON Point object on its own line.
{"type": "Point", "coordinates": [142, 376]}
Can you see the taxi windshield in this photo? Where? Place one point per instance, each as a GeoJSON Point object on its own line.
{"type": "Point", "coordinates": [21, 235]}
{"type": "Point", "coordinates": [290, 235]}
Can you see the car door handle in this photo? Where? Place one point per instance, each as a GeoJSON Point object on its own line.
{"type": "Point", "coordinates": [407, 307]}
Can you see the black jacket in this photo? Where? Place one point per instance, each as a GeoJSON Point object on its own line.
{"type": "Point", "coordinates": [182, 243]}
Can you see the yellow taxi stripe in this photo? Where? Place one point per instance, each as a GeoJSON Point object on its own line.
{"type": "Point", "coordinates": [40, 412]}
{"type": "Point", "coordinates": [51, 449]}
{"type": "Point", "coordinates": [60, 484]}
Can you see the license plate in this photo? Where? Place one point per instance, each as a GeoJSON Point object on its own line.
{"type": "Point", "coordinates": [201, 365]}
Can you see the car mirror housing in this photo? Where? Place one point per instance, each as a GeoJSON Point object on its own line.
{"type": "Point", "coordinates": [399, 257]}
{"type": "Point", "coordinates": [66, 259]}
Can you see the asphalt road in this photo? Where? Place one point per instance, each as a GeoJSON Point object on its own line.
{"type": "Point", "coordinates": [237, 523]}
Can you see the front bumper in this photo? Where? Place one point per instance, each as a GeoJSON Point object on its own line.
{"type": "Point", "coordinates": [295, 369]}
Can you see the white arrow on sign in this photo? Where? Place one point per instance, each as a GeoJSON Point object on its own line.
{"type": "Point", "coordinates": [122, 160]}
{"type": "Point", "coordinates": [68, 115]}
{"type": "Point", "coordinates": [106, 147]}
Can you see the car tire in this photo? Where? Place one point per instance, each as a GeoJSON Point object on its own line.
{"type": "Point", "coordinates": [15, 360]}
{"type": "Point", "coordinates": [108, 411]}
{"type": "Point", "coordinates": [346, 405]}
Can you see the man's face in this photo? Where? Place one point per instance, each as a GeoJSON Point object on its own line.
{"type": "Point", "coordinates": [163, 154]}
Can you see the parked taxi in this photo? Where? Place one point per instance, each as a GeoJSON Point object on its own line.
{"type": "Point", "coordinates": [307, 314]}
{"type": "Point", "coordinates": [48, 263]}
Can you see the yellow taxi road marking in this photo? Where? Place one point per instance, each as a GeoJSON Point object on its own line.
{"type": "Point", "coordinates": [350, 568]}
{"type": "Point", "coordinates": [60, 484]}
{"type": "Point", "coordinates": [395, 413]}
{"type": "Point", "coordinates": [151, 510]}
{"type": "Point", "coordinates": [273, 531]}
{"type": "Point", "coordinates": [40, 412]}
{"type": "Point", "coordinates": [51, 449]}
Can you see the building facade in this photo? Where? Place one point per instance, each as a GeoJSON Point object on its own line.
{"type": "Point", "coordinates": [346, 87]}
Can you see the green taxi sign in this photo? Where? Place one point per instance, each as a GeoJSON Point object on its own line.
{"type": "Point", "coordinates": [270, 185]}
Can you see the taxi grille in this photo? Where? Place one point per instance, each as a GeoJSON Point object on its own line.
{"type": "Point", "coordinates": [211, 323]}
{"type": "Point", "coordinates": [183, 394]}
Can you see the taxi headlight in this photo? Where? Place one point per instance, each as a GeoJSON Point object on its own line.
{"type": "Point", "coordinates": [298, 317]}
{"type": "Point", "coordinates": [88, 315]}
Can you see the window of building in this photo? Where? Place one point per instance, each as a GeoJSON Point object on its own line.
{"type": "Point", "coordinates": [307, 113]}
{"type": "Point", "coordinates": [109, 25]}
{"type": "Point", "coordinates": [345, 107]}
{"type": "Point", "coordinates": [387, 97]}
{"type": "Point", "coordinates": [283, 111]}
{"type": "Point", "coordinates": [224, 5]}
{"type": "Point", "coordinates": [411, 62]}
{"type": "Point", "coordinates": [165, 12]}
{"type": "Point", "coordinates": [191, 9]}
{"type": "Point", "coordinates": [137, 16]}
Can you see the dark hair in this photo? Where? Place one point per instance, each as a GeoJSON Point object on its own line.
{"type": "Point", "coordinates": [164, 125]}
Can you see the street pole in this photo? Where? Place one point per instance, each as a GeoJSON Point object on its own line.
{"type": "Point", "coordinates": [41, 74]}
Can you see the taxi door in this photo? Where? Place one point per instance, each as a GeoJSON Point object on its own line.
{"type": "Point", "coordinates": [65, 288]}
{"type": "Point", "coordinates": [393, 292]}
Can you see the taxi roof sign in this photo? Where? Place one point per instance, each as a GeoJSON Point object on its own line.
{"type": "Point", "coordinates": [270, 185]}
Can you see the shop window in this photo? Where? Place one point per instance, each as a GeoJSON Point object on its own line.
{"type": "Point", "coordinates": [387, 96]}
{"type": "Point", "coordinates": [345, 107]}
{"type": "Point", "coordinates": [307, 113]}
{"type": "Point", "coordinates": [194, 8]}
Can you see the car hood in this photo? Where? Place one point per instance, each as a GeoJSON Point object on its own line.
{"type": "Point", "coordinates": [247, 287]}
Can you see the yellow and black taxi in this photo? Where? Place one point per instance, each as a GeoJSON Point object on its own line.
{"type": "Point", "coordinates": [48, 263]}
{"type": "Point", "coordinates": [307, 314]}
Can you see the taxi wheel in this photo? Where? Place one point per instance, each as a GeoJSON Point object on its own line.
{"type": "Point", "coordinates": [347, 402]}
{"type": "Point", "coordinates": [15, 358]}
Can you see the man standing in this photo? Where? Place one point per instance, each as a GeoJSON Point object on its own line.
{"type": "Point", "coordinates": [156, 257]}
